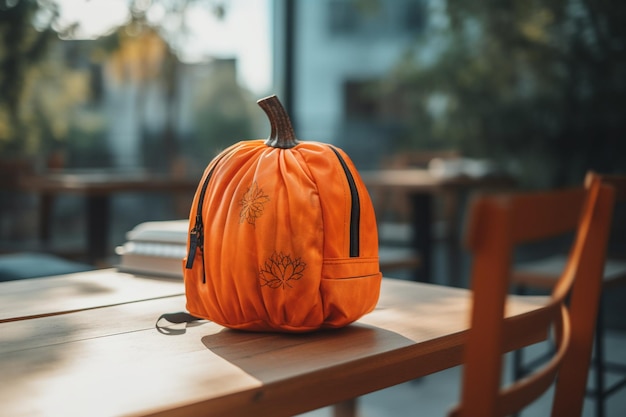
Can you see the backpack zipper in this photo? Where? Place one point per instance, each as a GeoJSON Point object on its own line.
{"type": "Point", "coordinates": [196, 235]}
{"type": "Point", "coordinates": [355, 210]}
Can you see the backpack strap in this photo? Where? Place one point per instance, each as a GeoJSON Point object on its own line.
{"type": "Point", "coordinates": [174, 318]}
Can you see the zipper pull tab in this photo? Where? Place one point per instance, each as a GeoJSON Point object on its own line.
{"type": "Point", "coordinates": [193, 244]}
{"type": "Point", "coordinates": [195, 241]}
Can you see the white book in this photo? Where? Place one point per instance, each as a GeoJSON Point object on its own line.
{"type": "Point", "coordinates": [155, 248]}
{"type": "Point", "coordinates": [168, 231]}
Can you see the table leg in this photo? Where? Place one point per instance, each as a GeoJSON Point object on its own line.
{"type": "Point", "coordinates": [98, 215]}
{"type": "Point", "coordinates": [459, 272]}
{"type": "Point", "coordinates": [45, 215]}
{"type": "Point", "coordinates": [453, 219]}
{"type": "Point", "coordinates": [421, 218]}
{"type": "Point", "coordinates": [345, 408]}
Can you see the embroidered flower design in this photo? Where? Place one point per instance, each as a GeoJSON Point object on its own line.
{"type": "Point", "coordinates": [252, 204]}
{"type": "Point", "coordinates": [280, 270]}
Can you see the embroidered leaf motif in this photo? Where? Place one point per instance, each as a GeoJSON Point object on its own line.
{"type": "Point", "coordinates": [252, 204]}
{"type": "Point", "coordinates": [280, 270]}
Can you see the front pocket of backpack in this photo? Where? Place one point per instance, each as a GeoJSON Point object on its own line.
{"type": "Point", "coordinates": [350, 288]}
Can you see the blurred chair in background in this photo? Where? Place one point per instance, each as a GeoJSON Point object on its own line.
{"type": "Point", "coordinates": [393, 211]}
{"type": "Point", "coordinates": [393, 206]}
{"type": "Point", "coordinates": [16, 210]}
{"type": "Point", "coordinates": [25, 265]}
{"type": "Point", "coordinates": [21, 258]}
{"type": "Point", "coordinates": [497, 225]}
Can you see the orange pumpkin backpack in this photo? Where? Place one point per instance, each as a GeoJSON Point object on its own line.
{"type": "Point", "coordinates": [282, 236]}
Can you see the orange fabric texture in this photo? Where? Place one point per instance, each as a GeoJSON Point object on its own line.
{"type": "Point", "coordinates": [288, 239]}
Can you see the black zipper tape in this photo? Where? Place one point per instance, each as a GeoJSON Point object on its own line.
{"type": "Point", "coordinates": [355, 210]}
{"type": "Point", "coordinates": [196, 235]}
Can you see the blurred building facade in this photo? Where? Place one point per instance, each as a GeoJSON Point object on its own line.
{"type": "Point", "coordinates": [339, 49]}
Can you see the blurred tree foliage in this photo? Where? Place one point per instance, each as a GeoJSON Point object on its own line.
{"type": "Point", "coordinates": [219, 110]}
{"type": "Point", "coordinates": [223, 113]}
{"type": "Point", "coordinates": [53, 88]}
{"type": "Point", "coordinates": [537, 85]}
{"type": "Point", "coordinates": [22, 47]}
{"type": "Point", "coordinates": [46, 86]}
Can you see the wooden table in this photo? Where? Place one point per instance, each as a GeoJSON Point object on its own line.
{"type": "Point", "coordinates": [97, 186]}
{"type": "Point", "coordinates": [86, 345]}
{"type": "Point", "coordinates": [422, 186]}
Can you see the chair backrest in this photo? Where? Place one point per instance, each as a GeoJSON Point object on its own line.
{"type": "Point", "coordinates": [617, 181]}
{"type": "Point", "coordinates": [497, 224]}
{"type": "Point", "coordinates": [617, 242]}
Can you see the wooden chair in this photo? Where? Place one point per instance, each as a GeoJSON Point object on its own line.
{"type": "Point", "coordinates": [543, 273]}
{"type": "Point", "coordinates": [497, 224]}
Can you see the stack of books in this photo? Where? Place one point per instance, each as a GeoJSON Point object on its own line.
{"type": "Point", "coordinates": [155, 248]}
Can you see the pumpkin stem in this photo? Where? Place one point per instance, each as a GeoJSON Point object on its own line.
{"type": "Point", "coordinates": [282, 134]}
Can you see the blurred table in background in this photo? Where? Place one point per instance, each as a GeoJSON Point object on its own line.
{"type": "Point", "coordinates": [97, 187]}
{"type": "Point", "coordinates": [422, 186]}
